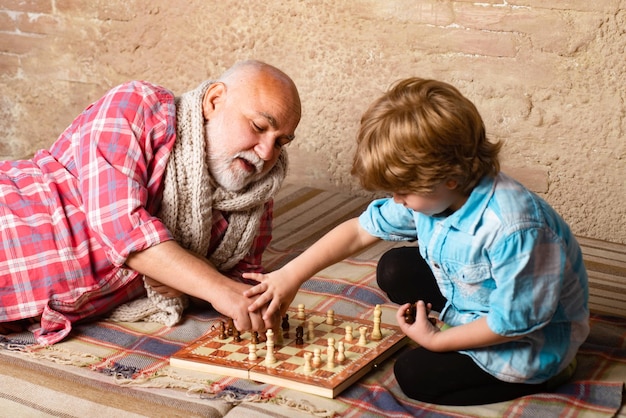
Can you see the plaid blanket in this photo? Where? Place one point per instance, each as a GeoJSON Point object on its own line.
{"type": "Point", "coordinates": [136, 356]}
{"type": "Point", "coordinates": [116, 369]}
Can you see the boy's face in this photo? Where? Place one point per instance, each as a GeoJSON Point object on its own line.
{"type": "Point", "coordinates": [445, 196]}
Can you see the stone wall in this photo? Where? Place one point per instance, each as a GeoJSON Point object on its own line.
{"type": "Point", "coordinates": [549, 77]}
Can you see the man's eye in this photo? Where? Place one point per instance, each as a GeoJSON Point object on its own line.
{"type": "Point", "coordinates": [257, 127]}
{"type": "Point", "coordinates": [282, 141]}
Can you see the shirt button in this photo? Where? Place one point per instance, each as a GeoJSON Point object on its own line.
{"type": "Point", "coordinates": [435, 265]}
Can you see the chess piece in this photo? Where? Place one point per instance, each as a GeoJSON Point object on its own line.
{"type": "Point", "coordinates": [230, 328]}
{"type": "Point", "coordinates": [341, 352]}
{"type": "Point", "coordinates": [285, 324]}
{"type": "Point", "coordinates": [301, 314]}
{"type": "Point", "coordinates": [349, 333]}
{"type": "Point", "coordinates": [330, 357]}
{"type": "Point", "coordinates": [222, 330]}
{"type": "Point", "coordinates": [311, 330]}
{"type": "Point", "coordinates": [269, 344]}
{"type": "Point", "coordinates": [236, 336]}
{"type": "Point", "coordinates": [330, 317]}
{"type": "Point", "coordinates": [307, 362]}
{"type": "Point", "coordinates": [376, 333]}
{"type": "Point", "coordinates": [409, 314]}
{"type": "Point", "coordinates": [254, 339]}
{"type": "Point", "coordinates": [362, 336]}
{"type": "Point", "coordinates": [252, 352]}
{"type": "Point", "coordinates": [330, 353]}
{"type": "Point", "coordinates": [299, 335]}
{"type": "Point", "coordinates": [317, 357]}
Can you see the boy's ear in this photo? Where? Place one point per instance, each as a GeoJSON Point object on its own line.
{"type": "Point", "coordinates": [213, 96]}
{"type": "Point", "coordinates": [452, 184]}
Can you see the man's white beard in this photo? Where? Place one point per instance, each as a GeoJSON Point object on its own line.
{"type": "Point", "coordinates": [225, 168]}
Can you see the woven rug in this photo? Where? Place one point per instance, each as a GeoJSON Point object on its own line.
{"type": "Point", "coordinates": [122, 369]}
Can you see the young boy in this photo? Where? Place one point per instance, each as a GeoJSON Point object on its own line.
{"type": "Point", "coordinates": [498, 263]}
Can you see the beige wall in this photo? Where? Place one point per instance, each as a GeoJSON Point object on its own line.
{"type": "Point", "coordinates": [548, 76]}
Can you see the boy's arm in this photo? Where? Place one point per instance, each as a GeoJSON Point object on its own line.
{"type": "Point", "coordinates": [278, 288]}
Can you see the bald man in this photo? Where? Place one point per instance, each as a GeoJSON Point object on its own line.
{"type": "Point", "coordinates": [147, 198]}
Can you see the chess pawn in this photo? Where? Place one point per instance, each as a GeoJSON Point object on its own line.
{"type": "Point", "coordinates": [222, 331]}
{"type": "Point", "coordinates": [341, 356]}
{"type": "Point", "coordinates": [362, 336]}
{"type": "Point", "coordinates": [301, 314]}
{"type": "Point", "coordinates": [317, 357]}
{"type": "Point", "coordinates": [307, 362]}
{"type": "Point", "coordinates": [330, 317]}
{"type": "Point", "coordinates": [311, 330]}
{"type": "Point", "coordinates": [252, 352]}
{"type": "Point", "coordinates": [349, 333]}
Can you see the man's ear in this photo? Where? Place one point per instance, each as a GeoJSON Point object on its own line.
{"type": "Point", "coordinates": [213, 96]}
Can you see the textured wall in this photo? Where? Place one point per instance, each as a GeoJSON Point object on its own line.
{"type": "Point", "coordinates": [548, 76]}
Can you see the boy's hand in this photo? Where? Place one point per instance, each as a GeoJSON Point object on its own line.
{"type": "Point", "coordinates": [421, 330]}
{"type": "Point", "coordinates": [274, 289]}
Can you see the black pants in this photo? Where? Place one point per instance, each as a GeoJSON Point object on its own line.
{"type": "Point", "coordinates": [449, 378]}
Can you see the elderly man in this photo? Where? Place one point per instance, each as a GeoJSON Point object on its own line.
{"type": "Point", "coordinates": [147, 191]}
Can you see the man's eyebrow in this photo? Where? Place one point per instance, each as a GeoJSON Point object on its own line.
{"type": "Point", "coordinates": [273, 124]}
{"type": "Point", "coordinates": [269, 118]}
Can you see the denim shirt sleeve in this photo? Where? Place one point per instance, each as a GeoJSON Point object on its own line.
{"type": "Point", "coordinates": [528, 268]}
{"type": "Point", "coordinates": [389, 221]}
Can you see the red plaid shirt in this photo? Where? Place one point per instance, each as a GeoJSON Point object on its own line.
{"type": "Point", "coordinates": [71, 215]}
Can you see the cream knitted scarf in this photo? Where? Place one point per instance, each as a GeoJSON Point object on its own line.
{"type": "Point", "coordinates": [189, 197]}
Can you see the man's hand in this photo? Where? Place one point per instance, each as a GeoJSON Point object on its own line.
{"type": "Point", "coordinates": [230, 301]}
{"type": "Point", "coordinates": [162, 289]}
{"type": "Point", "coordinates": [173, 267]}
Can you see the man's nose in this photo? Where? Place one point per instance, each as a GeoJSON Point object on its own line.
{"type": "Point", "coordinates": [265, 148]}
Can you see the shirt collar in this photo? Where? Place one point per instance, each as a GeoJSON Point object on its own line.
{"type": "Point", "coordinates": [468, 216]}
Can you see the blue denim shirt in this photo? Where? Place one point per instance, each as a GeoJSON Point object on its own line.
{"type": "Point", "coordinates": [508, 256]}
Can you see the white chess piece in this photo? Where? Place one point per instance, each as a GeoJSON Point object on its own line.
{"type": "Point", "coordinates": [362, 337]}
{"type": "Point", "coordinates": [269, 344]}
{"type": "Point", "coordinates": [341, 356]}
{"type": "Point", "coordinates": [330, 353]}
{"type": "Point", "coordinates": [317, 357]}
{"type": "Point", "coordinates": [252, 352]}
{"type": "Point", "coordinates": [330, 317]}
{"type": "Point", "coordinates": [307, 362]}
{"type": "Point", "coordinates": [301, 314]}
{"type": "Point", "coordinates": [376, 334]}
{"type": "Point", "coordinates": [349, 335]}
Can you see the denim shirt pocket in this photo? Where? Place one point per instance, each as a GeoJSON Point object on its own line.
{"type": "Point", "coordinates": [472, 285]}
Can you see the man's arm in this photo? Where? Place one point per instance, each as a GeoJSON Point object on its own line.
{"type": "Point", "coordinates": [173, 266]}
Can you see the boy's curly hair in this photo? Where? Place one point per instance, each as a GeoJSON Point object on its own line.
{"type": "Point", "coordinates": [419, 134]}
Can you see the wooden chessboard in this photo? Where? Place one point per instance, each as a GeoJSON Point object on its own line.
{"type": "Point", "coordinates": [227, 357]}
